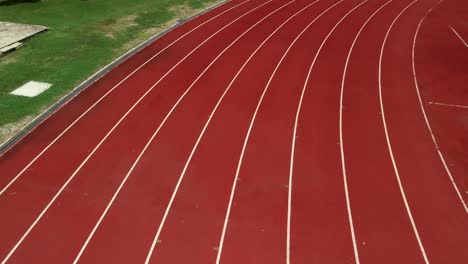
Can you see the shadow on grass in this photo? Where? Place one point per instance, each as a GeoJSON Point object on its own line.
{"type": "Point", "coordinates": [14, 2]}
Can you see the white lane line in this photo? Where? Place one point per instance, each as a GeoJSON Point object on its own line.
{"type": "Point", "coordinates": [239, 165]}
{"type": "Point", "coordinates": [458, 35]}
{"type": "Point", "coordinates": [129, 173]}
{"type": "Point", "coordinates": [113, 128]}
{"type": "Point", "coordinates": [390, 150]}
{"type": "Point", "coordinates": [343, 163]}
{"type": "Point", "coordinates": [293, 144]}
{"type": "Point", "coordinates": [106, 94]}
{"type": "Point", "coordinates": [423, 110]}
{"type": "Point", "coordinates": [442, 104]}
{"type": "Point", "coordinates": [208, 122]}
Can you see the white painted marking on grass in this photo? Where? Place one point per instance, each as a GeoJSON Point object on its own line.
{"type": "Point", "coordinates": [343, 163]}
{"type": "Point", "coordinates": [449, 105]}
{"type": "Point", "coordinates": [107, 93]}
{"type": "Point", "coordinates": [390, 150]}
{"type": "Point", "coordinates": [458, 35]}
{"type": "Point", "coordinates": [293, 144]}
{"type": "Point", "coordinates": [239, 165]}
{"type": "Point", "coordinates": [109, 133]}
{"type": "Point", "coordinates": [436, 145]}
{"type": "Point", "coordinates": [31, 89]}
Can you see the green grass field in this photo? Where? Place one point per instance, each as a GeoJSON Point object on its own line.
{"type": "Point", "coordinates": [83, 36]}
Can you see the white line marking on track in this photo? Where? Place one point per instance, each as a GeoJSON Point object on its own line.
{"type": "Point", "coordinates": [343, 163]}
{"type": "Point", "coordinates": [293, 144]}
{"type": "Point", "coordinates": [390, 150]}
{"type": "Point", "coordinates": [442, 104]}
{"type": "Point", "coordinates": [239, 165]}
{"type": "Point", "coordinates": [212, 114]}
{"type": "Point", "coordinates": [423, 110]}
{"type": "Point", "coordinates": [106, 94]}
{"type": "Point", "coordinates": [458, 35]}
{"type": "Point", "coordinates": [151, 140]}
{"type": "Point", "coordinates": [110, 132]}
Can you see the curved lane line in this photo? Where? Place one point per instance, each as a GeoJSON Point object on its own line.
{"type": "Point", "coordinates": [343, 163]}
{"type": "Point", "coordinates": [436, 145]}
{"type": "Point", "coordinates": [106, 94]}
{"type": "Point", "coordinates": [239, 165]}
{"type": "Point", "coordinates": [208, 122]}
{"type": "Point", "coordinates": [390, 150]}
{"type": "Point", "coordinates": [110, 132]}
{"type": "Point", "coordinates": [157, 132]}
{"type": "Point", "coordinates": [293, 145]}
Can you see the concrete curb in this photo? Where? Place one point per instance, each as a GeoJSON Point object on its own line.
{"type": "Point", "coordinates": [9, 143]}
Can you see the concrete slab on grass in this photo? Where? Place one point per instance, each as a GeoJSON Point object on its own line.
{"type": "Point", "coordinates": [11, 47]}
{"type": "Point", "coordinates": [11, 33]}
{"type": "Point", "coordinates": [31, 89]}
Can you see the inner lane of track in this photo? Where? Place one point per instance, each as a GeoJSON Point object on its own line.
{"type": "Point", "coordinates": [281, 131]}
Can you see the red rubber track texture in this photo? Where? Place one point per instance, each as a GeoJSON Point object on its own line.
{"type": "Point", "coordinates": [265, 244]}
{"type": "Point", "coordinates": [213, 202]}
{"type": "Point", "coordinates": [418, 163]}
{"type": "Point", "coordinates": [317, 183]}
{"type": "Point", "coordinates": [31, 193]}
{"type": "Point", "coordinates": [255, 221]}
{"type": "Point", "coordinates": [380, 220]}
{"type": "Point", "coordinates": [441, 60]}
{"type": "Point", "coordinates": [277, 140]}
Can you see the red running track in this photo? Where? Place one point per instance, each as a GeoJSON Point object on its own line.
{"type": "Point", "coordinates": [282, 131]}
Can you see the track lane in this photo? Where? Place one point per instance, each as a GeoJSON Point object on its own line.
{"type": "Point", "coordinates": [146, 67]}
{"type": "Point", "coordinates": [343, 162]}
{"type": "Point", "coordinates": [315, 181]}
{"type": "Point", "coordinates": [165, 137]}
{"type": "Point", "coordinates": [240, 45]}
{"type": "Point", "coordinates": [232, 205]}
{"type": "Point", "coordinates": [389, 144]}
{"type": "Point", "coordinates": [235, 234]}
{"type": "Point", "coordinates": [380, 220]}
{"type": "Point", "coordinates": [426, 120]}
{"type": "Point", "coordinates": [200, 207]}
{"type": "Point", "coordinates": [21, 221]}
{"type": "Point", "coordinates": [439, 67]}
{"type": "Point", "coordinates": [440, 219]}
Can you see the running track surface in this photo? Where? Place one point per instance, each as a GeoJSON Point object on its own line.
{"type": "Point", "coordinates": [282, 131]}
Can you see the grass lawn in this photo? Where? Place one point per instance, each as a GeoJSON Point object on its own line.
{"type": "Point", "coordinates": [83, 36]}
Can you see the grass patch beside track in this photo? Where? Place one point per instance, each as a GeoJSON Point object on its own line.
{"type": "Point", "coordinates": [83, 36]}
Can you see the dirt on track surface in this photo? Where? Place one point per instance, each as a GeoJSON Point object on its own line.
{"type": "Point", "coordinates": [294, 131]}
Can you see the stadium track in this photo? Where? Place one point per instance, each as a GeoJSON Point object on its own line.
{"type": "Point", "coordinates": [281, 131]}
